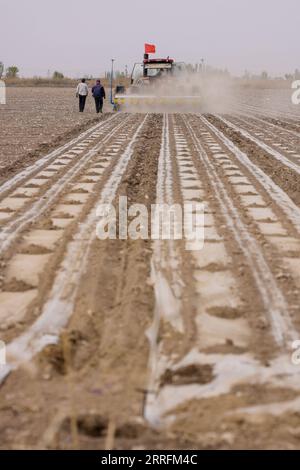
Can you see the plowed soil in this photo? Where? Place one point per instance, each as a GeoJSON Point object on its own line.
{"type": "Point", "coordinates": [148, 344]}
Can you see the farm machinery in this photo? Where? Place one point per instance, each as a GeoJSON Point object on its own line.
{"type": "Point", "coordinates": [158, 85]}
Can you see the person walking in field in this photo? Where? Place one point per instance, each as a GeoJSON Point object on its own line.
{"type": "Point", "coordinates": [99, 95]}
{"type": "Point", "coordinates": [82, 93]}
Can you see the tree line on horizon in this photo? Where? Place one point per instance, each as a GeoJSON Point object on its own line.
{"type": "Point", "coordinates": [12, 72]}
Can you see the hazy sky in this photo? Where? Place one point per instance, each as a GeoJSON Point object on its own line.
{"type": "Point", "coordinates": [81, 36]}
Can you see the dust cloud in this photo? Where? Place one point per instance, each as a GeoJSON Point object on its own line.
{"type": "Point", "coordinates": [186, 92]}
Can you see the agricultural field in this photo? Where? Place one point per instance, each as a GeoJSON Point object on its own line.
{"type": "Point", "coordinates": [34, 120]}
{"type": "Point", "coordinates": [139, 344]}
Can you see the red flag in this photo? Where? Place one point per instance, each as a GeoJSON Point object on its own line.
{"type": "Point", "coordinates": [150, 49]}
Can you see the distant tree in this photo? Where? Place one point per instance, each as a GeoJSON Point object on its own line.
{"type": "Point", "coordinates": [12, 71]}
{"type": "Point", "coordinates": [264, 75]}
{"type": "Point", "coordinates": [57, 75]}
{"type": "Point", "coordinates": [119, 74]}
{"type": "Point", "coordinates": [288, 76]}
{"type": "Point", "coordinates": [1, 69]}
{"type": "Point", "coordinates": [247, 75]}
{"type": "Point", "coordinates": [297, 74]}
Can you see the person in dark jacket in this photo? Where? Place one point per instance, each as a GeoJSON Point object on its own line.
{"type": "Point", "coordinates": [99, 95]}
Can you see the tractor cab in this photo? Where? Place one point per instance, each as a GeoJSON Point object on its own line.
{"type": "Point", "coordinates": [149, 73]}
{"type": "Point", "coordinates": [152, 69]}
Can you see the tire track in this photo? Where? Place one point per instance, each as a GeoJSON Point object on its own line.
{"type": "Point", "coordinates": [166, 264]}
{"type": "Point", "coordinates": [24, 284]}
{"type": "Point", "coordinates": [59, 306]}
{"type": "Point", "coordinates": [274, 153]}
{"type": "Point", "coordinates": [212, 352]}
{"type": "Point", "coordinates": [11, 230]}
{"type": "Point", "coordinates": [265, 122]}
{"type": "Point", "coordinates": [287, 206]}
{"type": "Point", "coordinates": [270, 112]}
{"type": "Point", "coordinates": [273, 299]}
{"type": "Point", "coordinates": [13, 182]}
{"type": "Point", "coordinates": [202, 372]}
{"type": "Point", "coordinates": [288, 143]}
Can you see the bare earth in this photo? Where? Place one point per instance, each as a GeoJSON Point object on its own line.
{"type": "Point", "coordinates": [36, 119]}
{"type": "Point", "coordinates": [149, 344]}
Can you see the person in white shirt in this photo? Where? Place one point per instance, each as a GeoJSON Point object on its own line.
{"type": "Point", "coordinates": [82, 93]}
